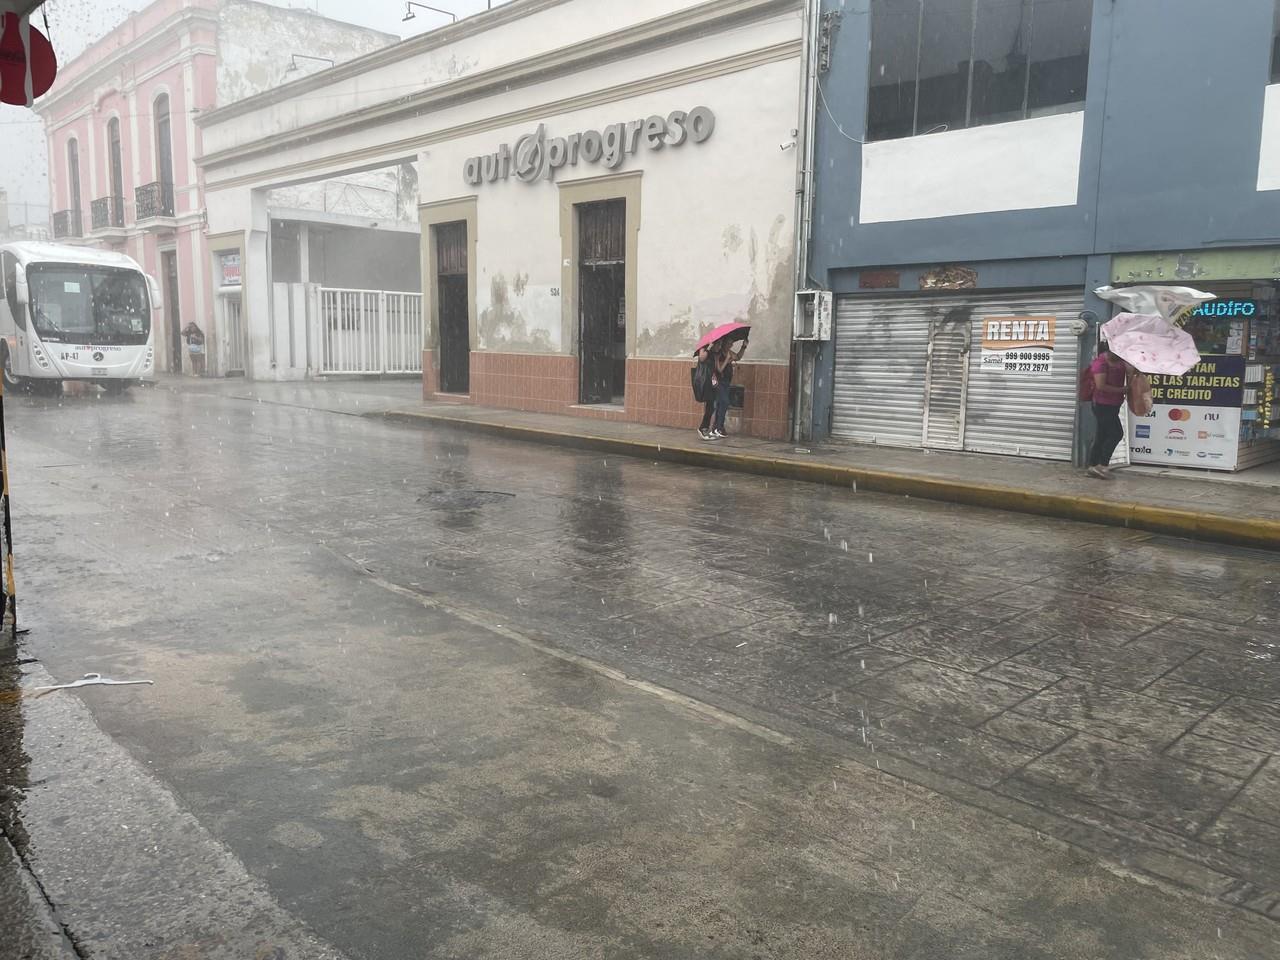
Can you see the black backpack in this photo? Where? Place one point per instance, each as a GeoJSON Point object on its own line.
{"type": "Point", "coordinates": [700, 375]}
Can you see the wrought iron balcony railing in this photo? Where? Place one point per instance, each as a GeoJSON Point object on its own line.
{"type": "Point", "coordinates": [153, 200]}
{"type": "Point", "coordinates": [106, 212]}
{"type": "Point", "coordinates": [67, 223]}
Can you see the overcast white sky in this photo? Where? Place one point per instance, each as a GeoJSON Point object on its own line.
{"type": "Point", "coordinates": [75, 24]}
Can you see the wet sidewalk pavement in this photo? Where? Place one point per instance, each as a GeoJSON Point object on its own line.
{"type": "Point", "coordinates": [1241, 508]}
{"type": "Point", "coordinates": [923, 729]}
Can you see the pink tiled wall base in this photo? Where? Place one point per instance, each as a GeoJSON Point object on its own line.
{"type": "Point", "coordinates": [658, 391]}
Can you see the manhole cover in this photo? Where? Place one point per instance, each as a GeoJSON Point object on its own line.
{"type": "Point", "coordinates": [464, 499]}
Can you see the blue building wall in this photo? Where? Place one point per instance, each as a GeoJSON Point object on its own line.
{"type": "Point", "coordinates": [1170, 155]}
{"type": "Point", "coordinates": [1171, 136]}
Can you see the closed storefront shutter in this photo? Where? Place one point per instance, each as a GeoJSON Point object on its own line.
{"type": "Point", "coordinates": [1025, 414]}
{"type": "Point", "coordinates": [881, 360]}
{"type": "Point", "coordinates": [949, 339]}
{"type": "Point", "coordinates": [893, 388]}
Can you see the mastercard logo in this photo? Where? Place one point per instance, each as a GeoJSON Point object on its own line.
{"type": "Point", "coordinates": [1179, 414]}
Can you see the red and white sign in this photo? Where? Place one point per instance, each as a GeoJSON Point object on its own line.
{"type": "Point", "coordinates": [1018, 345]}
{"type": "Point", "coordinates": [230, 263]}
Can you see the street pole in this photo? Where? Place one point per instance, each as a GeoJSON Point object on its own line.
{"type": "Point", "coordinates": [10, 591]}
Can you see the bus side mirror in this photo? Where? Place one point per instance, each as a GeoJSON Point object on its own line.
{"type": "Point", "coordinates": [153, 289]}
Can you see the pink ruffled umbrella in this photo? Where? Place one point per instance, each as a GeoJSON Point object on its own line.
{"type": "Point", "coordinates": [1151, 344]}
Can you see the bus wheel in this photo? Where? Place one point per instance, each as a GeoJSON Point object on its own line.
{"type": "Point", "coordinates": [11, 380]}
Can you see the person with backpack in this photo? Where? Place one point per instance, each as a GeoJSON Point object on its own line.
{"type": "Point", "coordinates": [1105, 383]}
{"type": "Point", "coordinates": [195, 347]}
{"type": "Point", "coordinates": [719, 361]}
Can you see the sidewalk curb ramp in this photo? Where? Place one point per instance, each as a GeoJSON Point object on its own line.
{"type": "Point", "coordinates": [1195, 525]}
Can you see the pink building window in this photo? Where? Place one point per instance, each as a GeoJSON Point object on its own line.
{"type": "Point", "coordinates": [116, 200]}
{"type": "Point", "coordinates": [68, 223]}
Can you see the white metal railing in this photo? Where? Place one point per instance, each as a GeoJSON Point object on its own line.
{"type": "Point", "coordinates": [402, 332]}
{"type": "Point", "coordinates": [370, 331]}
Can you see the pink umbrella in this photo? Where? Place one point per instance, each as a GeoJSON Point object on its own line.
{"type": "Point", "coordinates": [734, 331]}
{"type": "Point", "coordinates": [1151, 343]}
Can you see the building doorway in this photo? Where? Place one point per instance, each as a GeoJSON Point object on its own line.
{"type": "Point", "coordinates": [602, 301]}
{"type": "Point", "coordinates": [453, 306]}
{"type": "Point", "coordinates": [172, 310]}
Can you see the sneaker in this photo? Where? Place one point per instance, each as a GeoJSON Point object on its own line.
{"type": "Point", "coordinates": [705, 434]}
{"type": "Point", "coordinates": [719, 435]}
{"type": "Point", "coordinates": [1097, 473]}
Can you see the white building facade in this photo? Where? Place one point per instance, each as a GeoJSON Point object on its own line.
{"type": "Point", "coordinates": [599, 184]}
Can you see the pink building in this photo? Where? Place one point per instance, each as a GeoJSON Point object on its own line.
{"type": "Point", "coordinates": [123, 143]}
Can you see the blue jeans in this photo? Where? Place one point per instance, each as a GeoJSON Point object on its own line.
{"type": "Point", "coordinates": [717, 404]}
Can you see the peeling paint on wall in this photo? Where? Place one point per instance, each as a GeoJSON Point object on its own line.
{"type": "Point", "coordinates": [766, 303]}
{"type": "Point", "coordinates": [732, 239]}
{"type": "Point", "coordinates": [440, 69]}
{"type": "Point", "coordinates": [255, 41]}
{"type": "Point", "coordinates": [518, 318]}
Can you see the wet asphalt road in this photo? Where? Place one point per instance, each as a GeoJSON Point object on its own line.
{"type": "Point", "coordinates": [422, 694]}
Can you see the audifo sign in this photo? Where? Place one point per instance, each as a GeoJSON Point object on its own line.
{"type": "Point", "coordinates": [1195, 419]}
{"type": "Point", "coordinates": [537, 156]}
{"type": "Point", "coordinates": [1018, 345]}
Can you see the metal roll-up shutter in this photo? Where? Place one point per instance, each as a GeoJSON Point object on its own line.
{"type": "Point", "coordinates": [946, 380]}
{"type": "Point", "coordinates": [881, 360]}
{"type": "Point", "coordinates": [1025, 414]}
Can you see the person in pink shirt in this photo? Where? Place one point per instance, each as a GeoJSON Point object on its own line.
{"type": "Point", "coordinates": [1110, 388]}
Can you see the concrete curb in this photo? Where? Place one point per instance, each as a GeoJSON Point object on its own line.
{"type": "Point", "coordinates": [1194, 525]}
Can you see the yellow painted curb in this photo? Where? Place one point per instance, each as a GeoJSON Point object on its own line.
{"type": "Point", "coordinates": [1216, 528]}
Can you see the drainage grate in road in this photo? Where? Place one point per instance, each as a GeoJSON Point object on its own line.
{"type": "Point", "coordinates": [464, 499]}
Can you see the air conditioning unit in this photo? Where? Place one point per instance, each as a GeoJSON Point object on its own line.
{"type": "Point", "coordinates": [812, 319]}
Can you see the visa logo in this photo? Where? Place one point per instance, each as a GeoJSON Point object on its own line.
{"type": "Point", "coordinates": [1144, 430]}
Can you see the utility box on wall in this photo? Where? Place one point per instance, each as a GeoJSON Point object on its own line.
{"type": "Point", "coordinates": [812, 315]}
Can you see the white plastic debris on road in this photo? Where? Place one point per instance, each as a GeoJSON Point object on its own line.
{"type": "Point", "coordinates": [88, 680]}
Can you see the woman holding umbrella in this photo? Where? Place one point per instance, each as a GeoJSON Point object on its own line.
{"type": "Point", "coordinates": [714, 349]}
{"type": "Point", "coordinates": [1135, 345]}
{"type": "Point", "coordinates": [1110, 387]}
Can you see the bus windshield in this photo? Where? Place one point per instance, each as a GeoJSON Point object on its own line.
{"type": "Point", "coordinates": [81, 303]}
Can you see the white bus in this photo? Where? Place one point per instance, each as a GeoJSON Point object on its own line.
{"type": "Point", "coordinates": [74, 313]}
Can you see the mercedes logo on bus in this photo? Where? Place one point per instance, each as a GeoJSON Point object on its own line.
{"type": "Point", "coordinates": [98, 357]}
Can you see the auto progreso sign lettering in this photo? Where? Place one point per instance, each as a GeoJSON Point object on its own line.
{"type": "Point", "coordinates": [535, 156]}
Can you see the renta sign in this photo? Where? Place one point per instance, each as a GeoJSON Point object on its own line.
{"type": "Point", "coordinates": [535, 156]}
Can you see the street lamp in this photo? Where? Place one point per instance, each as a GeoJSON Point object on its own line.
{"type": "Point", "coordinates": [293, 61]}
{"type": "Point", "coordinates": [410, 15]}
